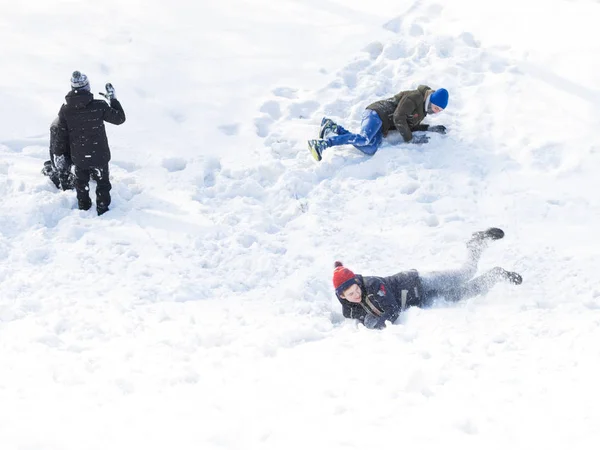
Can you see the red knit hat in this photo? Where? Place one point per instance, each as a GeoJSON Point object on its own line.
{"type": "Point", "coordinates": [343, 278]}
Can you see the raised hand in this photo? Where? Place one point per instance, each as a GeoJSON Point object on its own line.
{"type": "Point", "coordinates": [110, 92]}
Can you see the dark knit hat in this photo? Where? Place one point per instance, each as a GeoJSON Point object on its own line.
{"type": "Point", "coordinates": [440, 98]}
{"type": "Point", "coordinates": [79, 81]}
{"type": "Point", "coordinates": [343, 278]}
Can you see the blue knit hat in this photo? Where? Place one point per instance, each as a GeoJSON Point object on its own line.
{"type": "Point", "coordinates": [440, 98]}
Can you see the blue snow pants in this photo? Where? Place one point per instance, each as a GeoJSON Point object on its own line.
{"type": "Point", "coordinates": [367, 140]}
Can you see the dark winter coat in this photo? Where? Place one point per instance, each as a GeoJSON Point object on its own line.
{"type": "Point", "coordinates": [383, 298]}
{"type": "Point", "coordinates": [83, 118]}
{"type": "Point", "coordinates": [403, 112]}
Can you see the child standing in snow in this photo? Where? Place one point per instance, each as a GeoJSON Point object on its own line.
{"type": "Point", "coordinates": [83, 119]}
{"type": "Point", "coordinates": [60, 156]}
{"type": "Point", "coordinates": [374, 300]}
{"type": "Point", "coordinates": [403, 112]}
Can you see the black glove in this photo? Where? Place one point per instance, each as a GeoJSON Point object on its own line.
{"type": "Point", "coordinates": [110, 92]}
{"type": "Point", "coordinates": [437, 129]}
{"type": "Point", "coordinates": [420, 139]}
{"type": "Point", "coordinates": [67, 180]}
{"type": "Point", "coordinates": [373, 323]}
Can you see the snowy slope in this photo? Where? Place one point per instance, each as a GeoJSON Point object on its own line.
{"type": "Point", "coordinates": [199, 312]}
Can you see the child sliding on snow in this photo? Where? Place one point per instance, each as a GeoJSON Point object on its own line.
{"type": "Point", "coordinates": [403, 112]}
{"type": "Point", "coordinates": [374, 300]}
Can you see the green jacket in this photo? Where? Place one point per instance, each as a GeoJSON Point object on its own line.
{"type": "Point", "coordinates": [403, 112]}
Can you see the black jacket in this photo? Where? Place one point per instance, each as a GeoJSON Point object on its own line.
{"type": "Point", "coordinates": [403, 112]}
{"type": "Point", "coordinates": [383, 298]}
{"type": "Point", "coordinates": [83, 119]}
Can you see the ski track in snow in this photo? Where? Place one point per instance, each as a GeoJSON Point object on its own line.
{"type": "Point", "coordinates": [203, 301]}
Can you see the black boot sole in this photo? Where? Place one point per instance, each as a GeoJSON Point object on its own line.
{"type": "Point", "coordinates": [492, 234]}
{"type": "Point", "coordinates": [514, 278]}
{"type": "Point", "coordinates": [511, 277]}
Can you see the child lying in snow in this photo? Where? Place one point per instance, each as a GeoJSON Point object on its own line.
{"type": "Point", "coordinates": [374, 300]}
{"type": "Point", "coordinates": [403, 112]}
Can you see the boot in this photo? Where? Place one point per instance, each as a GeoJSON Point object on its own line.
{"type": "Point", "coordinates": [316, 147]}
{"type": "Point", "coordinates": [482, 284]}
{"type": "Point", "coordinates": [480, 239]}
{"type": "Point", "coordinates": [101, 208]}
{"type": "Point", "coordinates": [328, 128]}
{"type": "Point", "coordinates": [511, 277]}
{"type": "Point", "coordinates": [84, 203]}
{"type": "Point", "coordinates": [492, 234]}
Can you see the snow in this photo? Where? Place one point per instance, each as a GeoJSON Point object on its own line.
{"type": "Point", "coordinates": [199, 311]}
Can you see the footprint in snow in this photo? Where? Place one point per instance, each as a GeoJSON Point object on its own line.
{"type": "Point", "coordinates": [427, 198]}
{"type": "Point", "coordinates": [127, 166]}
{"type": "Point", "coordinates": [434, 11]}
{"type": "Point", "coordinates": [303, 110]}
{"type": "Point", "coordinates": [286, 92]}
{"type": "Point", "coordinates": [229, 129]}
{"type": "Point", "coordinates": [281, 147]}
{"type": "Point", "coordinates": [263, 125]}
{"type": "Point", "coordinates": [395, 51]}
{"type": "Point", "coordinates": [272, 109]}
{"type": "Point", "coordinates": [351, 72]}
{"type": "Point", "coordinates": [394, 25]}
{"type": "Point", "coordinates": [469, 40]}
{"type": "Point", "coordinates": [177, 116]}
{"type": "Point", "coordinates": [270, 112]}
{"type": "Point", "coordinates": [127, 188]}
{"type": "Point", "coordinates": [410, 188]}
{"type": "Point", "coordinates": [546, 157]}
{"type": "Point", "coordinates": [174, 164]}
{"type": "Point", "coordinates": [39, 256]}
{"type": "Point", "coordinates": [416, 30]}
{"type": "Point", "coordinates": [338, 108]}
{"type": "Point", "coordinates": [432, 220]}
{"type": "Point", "coordinates": [208, 178]}
{"type": "Point", "coordinates": [374, 49]}
{"type": "Point", "coordinates": [444, 48]}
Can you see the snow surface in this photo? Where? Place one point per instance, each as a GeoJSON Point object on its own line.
{"type": "Point", "coordinates": [199, 313]}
